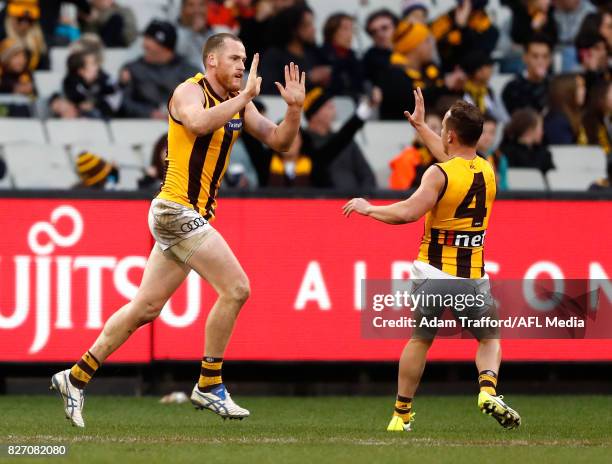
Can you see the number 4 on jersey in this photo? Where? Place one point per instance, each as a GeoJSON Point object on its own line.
{"type": "Point", "coordinates": [478, 212]}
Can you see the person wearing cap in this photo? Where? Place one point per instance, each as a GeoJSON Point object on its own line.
{"type": "Point", "coordinates": [307, 161]}
{"type": "Point", "coordinates": [95, 172]}
{"type": "Point", "coordinates": [380, 26]}
{"type": "Point", "coordinates": [478, 67]}
{"type": "Point", "coordinates": [149, 80]}
{"type": "Point", "coordinates": [22, 24]}
{"type": "Point", "coordinates": [115, 24]}
{"type": "Point", "coordinates": [411, 67]}
{"type": "Point", "coordinates": [463, 29]}
{"type": "Point", "coordinates": [349, 171]}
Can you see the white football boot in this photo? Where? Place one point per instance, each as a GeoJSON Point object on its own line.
{"type": "Point", "coordinates": [218, 401]}
{"type": "Point", "coordinates": [74, 398]}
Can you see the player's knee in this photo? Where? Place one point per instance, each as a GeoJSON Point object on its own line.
{"type": "Point", "coordinates": [149, 310]}
{"type": "Point", "coordinates": [239, 292]}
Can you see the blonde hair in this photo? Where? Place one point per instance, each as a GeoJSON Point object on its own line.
{"type": "Point", "coordinates": [33, 41]}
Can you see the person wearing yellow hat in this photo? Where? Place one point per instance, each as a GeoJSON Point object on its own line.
{"type": "Point", "coordinates": [95, 172]}
{"type": "Point", "coordinates": [22, 24]}
{"type": "Point", "coordinates": [411, 67]}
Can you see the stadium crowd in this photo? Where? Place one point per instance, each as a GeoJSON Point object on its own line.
{"type": "Point", "coordinates": [559, 51]}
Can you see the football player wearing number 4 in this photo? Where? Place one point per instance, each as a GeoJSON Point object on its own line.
{"type": "Point", "coordinates": [456, 195]}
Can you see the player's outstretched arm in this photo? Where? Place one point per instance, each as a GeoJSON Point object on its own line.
{"type": "Point", "coordinates": [188, 104]}
{"type": "Point", "coordinates": [417, 119]}
{"type": "Point", "coordinates": [402, 212]}
{"type": "Point", "coordinates": [280, 137]}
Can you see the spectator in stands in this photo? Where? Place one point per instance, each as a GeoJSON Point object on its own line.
{"type": "Point", "coordinates": [380, 26]}
{"type": "Point", "coordinates": [148, 81]}
{"type": "Point", "coordinates": [15, 75]}
{"type": "Point", "coordinates": [408, 167]}
{"type": "Point", "coordinates": [530, 89]}
{"type": "Point", "coordinates": [15, 78]}
{"type": "Point", "coordinates": [478, 67]}
{"type": "Point", "coordinates": [305, 164]}
{"type": "Point", "coordinates": [95, 173]}
{"type": "Point", "coordinates": [88, 87]}
{"type": "Point", "coordinates": [411, 67]}
{"type": "Point", "coordinates": [593, 55]}
{"type": "Point", "coordinates": [154, 173]}
{"type": "Point", "coordinates": [415, 11]}
{"type": "Point", "coordinates": [89, 42]}
{"type": "Point", "coordinates": [257, 29]}
{"type": "Point", "coordinates": [523, 141]}
{"type": "Point", "coordinates": [192, 31]}
{"type": "Point", "coordinates": [68, 29]}
{"type": "Point", "coordinates": [463, 29]}
{"type": "Point", "coordinates": [531, 17]}
{"type": "Point", "coordinates": [486, 149]}
{"type": "Point", "coordinates": [597, 117]}
{"type": "Point", "coordinates": [569, 15]}
{"type": "Point", "coordinates": [347, 74]}
{"type": "Point", "coordinates": [115, 24]}
{"type": "Point", "coordinates": [21, 24]}
{"type": "Point", "coordinates": [563, 120]}
{"type": "Point", "coordinates": [50, 15]}
{"type": "Point", "coordinates": [62, 108]}
{"type": "Point", "coordinates": [598, 23]}
{"type": "Point", "coordinates": [349, 170]}
{"type": "Point", "coordinates": [296, 33]}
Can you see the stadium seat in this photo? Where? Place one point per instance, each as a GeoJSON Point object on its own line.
{"type": "Point", "coordinates": [48, 82]}
{"type": "Point", "coordinates": [589, 158]}
{"type": "Point", "coordinates": [577, 167]}
{"type": "Point", "coordinates": [381, 142]}
{"type": "Point", "coordinates": [137, 131]}
{"type": "Point", "coordinates": [53, 169]}
{"type": "Point", "coordinates": [59, 56]}
{"type": "Point", "coordinates": [526, 179]}
{"type": "Point", "coordinates": [129, 161]}
{"type": "Point", "coordinates": [275, 106]}
{"type": "Point", "coordinates": [70, 132]}
{"type": "Point", "coordinates": [147, 10]}
{"type": "Point", "coordinates": [345, 107]}
{"type": "Point", "coordinates": [115, 58]}
{"type": "Point", "coordinates": [16, 130]}
{"type": "Point", "coordinates": [498, 82]}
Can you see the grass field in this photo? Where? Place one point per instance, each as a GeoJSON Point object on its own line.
{"type": "Point", "coordinates": [313, 430]}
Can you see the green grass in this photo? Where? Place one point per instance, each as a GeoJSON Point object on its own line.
{"type": "Point", "coordinates": [572, 429]}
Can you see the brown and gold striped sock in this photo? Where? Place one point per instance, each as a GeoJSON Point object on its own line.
{"type": "Point", "coordinates": [82, 372]}
{"type": "Point", "coordinates": [210, 374]}
{"type": "Point", "coordinates": [488, 382]}
{"type": "Point", "coordinates": [403, 407]}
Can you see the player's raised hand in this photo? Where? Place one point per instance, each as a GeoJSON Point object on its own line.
{"type": "Point", "coordinates": [295, 86]}
{"type": "Point", "coordinates": [253, 84]}
{"type": "Point", "coordinates": [356, 205]}
{"type": "Point", "coordinates": [417, 117]}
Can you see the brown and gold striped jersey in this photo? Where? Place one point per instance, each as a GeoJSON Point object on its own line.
{"type": "Point", "coordinates": [455, 228]}
{"type": "Point", "coordinates": [195, 165]}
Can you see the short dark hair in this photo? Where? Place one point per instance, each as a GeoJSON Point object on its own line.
{"type": "Point", "coordinates": [216, 41]}
{"type": "Point", "coordinates": [466, 121]}
{"type": "Point", "coordinates": [540, 39]}
{"type": "Point", "coordinates": [332, 24]}
{"type": "Point", "coordinates": [76, 60]}
{"type": "Point", "coordinates": [382, 13]}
